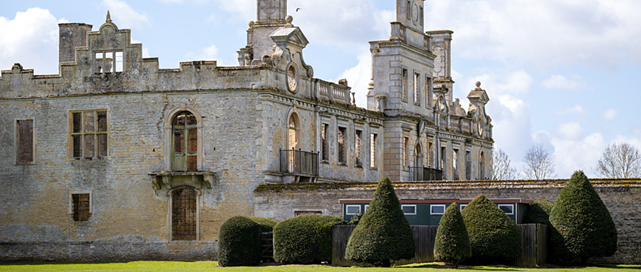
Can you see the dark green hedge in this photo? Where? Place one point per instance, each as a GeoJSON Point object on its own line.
{"type": "Point", "coordinates": [538, 212]}
{"type": "Point", "coordinates": [239, 242]}
{"type": "Point", "coordinates": [304, 239]}
{"type": "Point", "coordinates": [581, 224]}
{"type": "Point", "coordinates": [493, 235]}
{"type": "Point", "coordinates": [452, 243]}
{"type": "Point", "coordinates": [266, 224]}
{"type": "Point", "coordinates": [383, 233]}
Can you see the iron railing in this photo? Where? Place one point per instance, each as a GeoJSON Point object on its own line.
{"type": "Point", "coordinates": [299, 162]}
{"type": "Point", "coordinates": [423, 174]}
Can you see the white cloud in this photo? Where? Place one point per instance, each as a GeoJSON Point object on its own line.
{"type": "Point", "coordinates": [359, 77]}
{"type": "Point", "coordinates": [247, 8]}
{"type": "Point", "coordinates": [577, 154]}
{"type": "Point", "coordinates": [560, 82]}
{"type": "Point", "coordinates": [516, 82]}
{"type": "Point", "coordinates": [571, 131]}
{"type": "Point", "coordinates": [545, 32]}
{"type": "Point", "coordinates": [31, 38]}
{"type": "Point", "coordinates": [577, 109]}
{"type": "Point", "coordinates": [512, 126]}
{"type": "Point", "coordinates": [124, 16]}
{"type": "Point", "coordinates": [208, 53]}
{"type": "Point", "coordinates": [610, 114]}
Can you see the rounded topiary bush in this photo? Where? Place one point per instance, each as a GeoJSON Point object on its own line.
{"type": "Point", "coordinates": [538, 212]}
{"type": "Point", "coordinates": [383, 233]}
{"type": "Point", "coordinates": [493, 235]}
{"type": "Point", "coordinates": [452, 243]}
{"type": "Point", "coordinates": [266, 224]}
{"type": "Point", "coordinates": [304, 239]}
{"type": "Point", "coordinates": [239, 242]}
{"type": "Point", "coordinates": [582, 226]}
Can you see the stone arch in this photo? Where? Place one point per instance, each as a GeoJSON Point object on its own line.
{"type": "Point", "coordinates": [170, 159]}
{"type": "Point", "coordinates": [293, 126]}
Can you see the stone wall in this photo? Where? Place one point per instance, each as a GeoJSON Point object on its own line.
{"type": "Point", "coordinates": [621, 197]}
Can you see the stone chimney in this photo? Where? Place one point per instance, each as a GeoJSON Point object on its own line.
{"type": "Point", "coordinates": [72, 35]}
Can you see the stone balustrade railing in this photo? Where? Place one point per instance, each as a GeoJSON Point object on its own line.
{"type": "Point", "coordinates": [332, 91]}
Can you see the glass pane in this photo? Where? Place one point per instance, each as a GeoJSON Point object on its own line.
{"type": "Point", "coordinates": [77, 146]}
{"type": "Point", "coordinates": [508, 209]}
{"type": "Point", "coordinates": [77, 122]}
{"type": "Point", "coordinates": [179, 120]}
{"type": "Point", "coordinates": [89, 146]}
{"type": "Point", "coordinates": [409, 209]}
{"type": "Point", "coordinates": [102, 145]}
{"type": "Point", "coordinates": [179, 146]}
{"type": "Point", "coordinates": [192, 163]}
{"type": "Point", "coordinates": [353, 209]}
{"type": "Point", "coordinates": [193, 141]}
{"type": "Point", "coordinates": [102, 121]}
{"type": "Point", "coordinates": [90, 125]}
{"type": "Point", "coordinates": [438, 209]}
{"type": "Point", "coordinates": [191, 119]}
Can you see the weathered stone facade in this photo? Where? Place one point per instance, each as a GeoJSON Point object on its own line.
{"type": "Point", "coordinates": [130, 161]}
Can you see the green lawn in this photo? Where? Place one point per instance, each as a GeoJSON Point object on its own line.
{"type": "Point", "coordinates": [213, 266]}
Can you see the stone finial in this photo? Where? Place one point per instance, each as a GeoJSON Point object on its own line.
{"type": "Point", "coordinates": [289, 19]}
{"type": "Point", "coordinates": [251, 24]}
{"type": "Point", "coordinates": [478, 84]}
{"type": "Point", "coordinates": [108, 21]}
{"type": "Point", "coordinates": [354, 98]}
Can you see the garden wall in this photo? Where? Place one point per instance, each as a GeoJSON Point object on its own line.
{"type": "Point", "coordinates": [621, 197]}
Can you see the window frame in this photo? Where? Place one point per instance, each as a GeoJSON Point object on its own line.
{"type": "Point", "coordinates": [358, 148]}
{"type": "Point", "coordinates": [17, 139]}
{"type": "Point", "coordinates": [83, 133]}
{"type": "Point", "coordinates": [417, 89]}
{"type": "Point", "coordinates": [347, 209]}
{"type": "Point", "coordinates": [462, 206]}
{"type": "Point", "coordinates": [324, 142]}
{"type": "Point", "coordinates": [404, 84]}
{"type": "Point", "coordinates": [168, 152]}
{"type": "Point", "coordinates": [71, 206]}
{"type": "Point", "coordinates": [437, 205]}
{"type": "Point", "coordinates": [507, 205]}
{"type": "Point", "coordinates": [341, 149]}
{"type": "Point", "coordinates": [114, 62]}
{"type": "Point", "coordinates": [409, 205]}
{"type": "Point", "coordinates": [373, 152]}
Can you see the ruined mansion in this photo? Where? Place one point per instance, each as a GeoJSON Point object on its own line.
{"type": "Point", "coordinates": [116, 159]}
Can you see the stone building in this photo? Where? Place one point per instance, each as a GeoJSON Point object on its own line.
{"type": "Point", "coordinates": [116, 159]}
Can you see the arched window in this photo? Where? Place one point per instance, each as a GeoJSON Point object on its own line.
{"type": "Point", "coordinates": [184, 214]}
{"type": "Point", "coordinates": [185, 142]}
{"type": "Point", "coordinates": [293, 132]}
{"type": "Point", "coordinates": [418, 156]}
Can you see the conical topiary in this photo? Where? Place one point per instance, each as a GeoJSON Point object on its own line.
{"type": "Point", "coordinates": [538, 212]}
{"type": "Point", "coordinates": [493, 235]}
{"type": "Point", "coordinates": [383, 233]}
{"type": "Point", "coordinates": [581, 224]}
{"type": "Point", "coordinates": [452, 243]}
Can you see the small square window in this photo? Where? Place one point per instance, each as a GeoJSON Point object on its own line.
{"type": "Point", "coordinates": [437, 209]}
{"type": "Point", "coordinates": [366, 206]}
{"type": "Point", "coordinates": [352, 209]}
{"type": "Point", "coordinates": [462, 206]}
{"type": "Point", "coordinates": [507, 208]}
{"type": "Point", "coordinates": [409, 209]}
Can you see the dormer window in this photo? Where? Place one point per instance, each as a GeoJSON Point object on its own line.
{"type": "Point", "coordinates": [109, 61]}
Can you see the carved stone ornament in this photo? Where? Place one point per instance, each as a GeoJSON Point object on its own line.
{"type": "Point", "coordinates": [291, 79]}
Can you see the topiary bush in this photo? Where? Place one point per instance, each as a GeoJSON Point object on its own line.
{"type": "Point", "coordinates": [239, 242]}
{"type": "Point", "coordinates": [355, 219]}
{"type": "Point", "coordinates": [266, 224]}
{"type": "Point", "coordinates": [582, 226]}
{"type": "Point", "coordinates": [304, 239]}
{"type": "Point", "coordinates": [452, 244]}
{"type": "Point", "coordinates": [493, 235]}
{"type": "Point", "coordinates": [538, 212]}
{"type": "Point", "coordinates": [383, 233]}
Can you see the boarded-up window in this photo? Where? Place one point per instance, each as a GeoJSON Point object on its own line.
{"type": "Point", "coordinates": [185, 149]}
{"type": "Point", "coordinates": [89, 134]}
{"type": "Point", "coordinates": [324, 143]}
{"type": "Point", "coordinates": [342, 154]}
{"type": "Point", "coordinates": [183, 214]}
{"type": "Point", "coordinates": [358, 147]}
{"type": "Point", "coordinates": [24, 141]}
{"type": "Point", "coordinates": [81, 207]}
{"type": "Point", "coordinates": [404, 83]}
{"type": "Point", "coordinates": [372, 150]}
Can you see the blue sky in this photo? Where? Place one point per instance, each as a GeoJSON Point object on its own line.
{"type": "Point", "coordinates": [560, 73]}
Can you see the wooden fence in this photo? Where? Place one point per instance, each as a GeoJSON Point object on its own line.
{"type": "Point", "coordinates": [534, 244]}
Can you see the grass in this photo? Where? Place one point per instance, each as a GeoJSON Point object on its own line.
{"type": "Point", "coordinates": [213, 266]}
